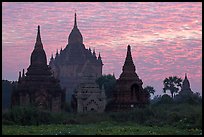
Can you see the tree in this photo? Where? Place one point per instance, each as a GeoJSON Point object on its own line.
{"type": "Point", "coordinates": [7, 89]}
{"type": "Point", "coordinates": [172, 84]}
{"type": "Point", "coordinates": [150, 89]}
{"type": "Point", "coordinates": [108, 81]}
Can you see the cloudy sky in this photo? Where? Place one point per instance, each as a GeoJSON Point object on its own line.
{"type": "Point", "coordinates": [165, 38]}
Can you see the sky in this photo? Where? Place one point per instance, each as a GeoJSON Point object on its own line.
{"type": "Point", "coordinates": [165, 37]}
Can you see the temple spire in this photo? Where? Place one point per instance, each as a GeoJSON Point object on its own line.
{"type": "Point", "coordinates": [185, 76]}
{"type": "Point", "coordinates": [52, 57]}
{"type": "Point", "coordinates": [75, 36]}
{"type": "Point", "coordinates": [113, 75]}
{"type": "Point", "coordinates": [19, 78]}
{"type": "Point", "coordinates": [56, 53]}
{"type": "Point", "coordinates": [38, 43]}
{"type": "Point", "coordinates": [99, 56]}
{"type": "Point", "coordinates": [129, 65]}
{"type": "Point", "coordinates": [23, 73]}
{"type": "Point", "coordinates": [75, 21]}
{"type": "Point", "coordinates": [89, 49]}
{"type": "Point", "coordinates": [94, 53]}
{"type": "Point", "coordinates": [61, 50]}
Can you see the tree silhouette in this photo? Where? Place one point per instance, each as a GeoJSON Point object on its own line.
{"type": "Point", "coordinates": [150, 89]}
{"type": "Point", "coordinates": [108, 81]}
{"type": "Point", "coordinates": [172, 84]}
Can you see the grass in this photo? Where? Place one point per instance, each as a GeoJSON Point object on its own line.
{"type": "Point", "coordinates": [101, 128]}
{"type": "Point", "coordinates": [157, 119]}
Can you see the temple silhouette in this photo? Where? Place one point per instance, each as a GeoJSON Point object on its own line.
{"type": "Point", "coordinates": [75, 69]}
{"type": "Point", "coordinates": [185, 88]}
{"type": "Point", "coordinates": [38, 86]}
{"type": "Point", "coordinates": [128, 92]}
{"type": "Point", "coordinates": [75, 61]}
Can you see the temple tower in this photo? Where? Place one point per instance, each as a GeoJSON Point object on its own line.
{"type": "Point", "coordinates": [38, 86]}
{"type": "Point", "coordinates": [75, 61]}
{"type": "Point", "coordinates": [128, 92]}
{"type": "Point", "coordinates": [185, 88]}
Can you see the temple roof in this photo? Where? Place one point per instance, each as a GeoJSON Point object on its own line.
{"type": "Point", "coordinates": [75, 36]}
{"type": "Point", "coordinates": [186, 83]}
{"type": "Point", "coordinates": [128, 72]}
{"type": "Point", "coordinates": [38, 60]}
{"type": "Point", "coordinates": [129, 65]}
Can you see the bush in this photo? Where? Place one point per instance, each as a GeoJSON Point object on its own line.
{"type": "Point", "coordinates": [180, 115]}
{"type": "Point", "coordinates": [194, 98]}
{"type": "Point", "coordinates": [26, 115]}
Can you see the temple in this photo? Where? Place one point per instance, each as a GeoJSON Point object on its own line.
{"type": "Point", "coordinates": [38, 86]}
{"type": "Point", "coordinates": [74, 61]}
{"type": "Point", "coordinates": [185, 88]}
{"type": "Point", "coordinates": [128, 92]}
{"type": "Point", "coordinates": [88, 97]}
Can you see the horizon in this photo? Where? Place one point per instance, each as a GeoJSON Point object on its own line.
{"type": "Point", "coordinates": [165, 39]}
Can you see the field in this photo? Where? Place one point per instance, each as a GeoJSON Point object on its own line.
{"type": "Point", "coordinates": [102, 128]}
{"type": "Point", "coordinates": [158, 119]}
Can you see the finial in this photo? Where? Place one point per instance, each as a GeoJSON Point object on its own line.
{"type": "Point", "coordinates": [23, 73]}
{"type": "Point", "coordinates": [99, 55]}
{"type": "Point", "coordinates": [89, 49]}
{"type": "Point", "coordinates": [19, 78]}
{"type": "Point", "coordinates": [52, 57]}
{"type": "Point", "coordinates": [185, 75]}
{"type": "Point", "coordinates": [129, 48]}
{"type": "Point", "coordinates": [94, 53]}
{"type": "Point", "coordinates": [38, 43]}
{"type": "Point", "coordinates": [61, 50]}
{"type": "Point", "coordinates": [75, 22]}
{"type": "Point", "coordinates": [38, 35]}
{"type": "Point", "coordinates": [57, 52]}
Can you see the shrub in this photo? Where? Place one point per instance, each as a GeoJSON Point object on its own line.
{"type": "Point", "coordinates": [26, 115]}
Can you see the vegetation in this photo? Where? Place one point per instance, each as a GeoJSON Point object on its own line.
{"type": "Point", "coordinates": [150, 89]}
{"type": "Point", "coordinates": [172, 84]}
{"type": "Point", "coordinates": [108, 81]}
{"type": "Point", "coordinates": [7, 87]}
{"type": "Point", "coordinates": [102, 128]}
{"type": "Point", "coordinates": [176, 114]}
{"type": "Point", "coordinates": [156, 118]}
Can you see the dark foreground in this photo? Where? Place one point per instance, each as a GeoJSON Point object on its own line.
{"type": "Point", "coordinates": [102, 128]}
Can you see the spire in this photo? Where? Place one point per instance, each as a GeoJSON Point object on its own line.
{"type": "Point", "coordinates": [57, 53]}
{"type": "Point", "coordinates": [23, 73]}
{"type": "Point", "coordinates": [38, 43]}
{"type": "Point", "coordinates": [129, 65]}
{"type": "Point", "coordinates": [113, 75]}
{"type": "Point", "coordinates": [52, 57]}
{"type": "Point", "coordinates": [75, 36]}
{"type": "Point", "coordinates": [94, 53]}
{"type": "Point", "coordinates": [75, 21]}
{"type": "Point", "coordinates": [186, 83]}
{"type": "Point", "coordinates": [185, 76]}
{"type": "Point", "coordinates": [185, 88]}
{"type": "Point", "coordinates": [99, 56]}
{"type": "Point", "coordinates": [89, 50]}
{"type": "Point", "coordinates": [61, 50]}
{"type": "Point", "coordinates": [99, 59]}
{"type": "Point", "coordinates": [19, 78]}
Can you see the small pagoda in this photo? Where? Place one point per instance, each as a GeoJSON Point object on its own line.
{"type": "Point", "coordinates": [128, 92]}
